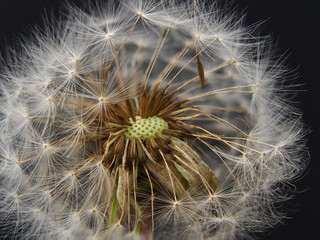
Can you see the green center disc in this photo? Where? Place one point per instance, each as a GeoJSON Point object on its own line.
{"type": "Point", "coordinates": [146, 128]}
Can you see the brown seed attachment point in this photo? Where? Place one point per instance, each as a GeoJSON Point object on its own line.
{"type": "Point", "coordinates": [200, 69]}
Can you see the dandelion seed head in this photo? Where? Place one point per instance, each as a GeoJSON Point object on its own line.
{"type": "Point", "coordinates": [146, 120]}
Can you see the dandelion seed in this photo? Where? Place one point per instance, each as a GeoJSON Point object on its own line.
{"type": "Point", "coordinates": [145, 120]}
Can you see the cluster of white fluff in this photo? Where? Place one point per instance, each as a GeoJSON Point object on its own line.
{"type": "Point", "coordinates": [53, 185]}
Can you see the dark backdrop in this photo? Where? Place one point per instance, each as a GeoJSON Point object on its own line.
{"type": "Point", "coordinates": [295, 26]}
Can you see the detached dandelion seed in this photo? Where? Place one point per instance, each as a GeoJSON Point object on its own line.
{"type": "Point", "coordinates": [146, 120]}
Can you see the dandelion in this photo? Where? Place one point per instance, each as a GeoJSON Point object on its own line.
{"type": "Point", "coordinates": [146, 120]}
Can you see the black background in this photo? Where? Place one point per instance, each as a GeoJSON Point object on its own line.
{"type": "Point", "coordinates": [295, 25]}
